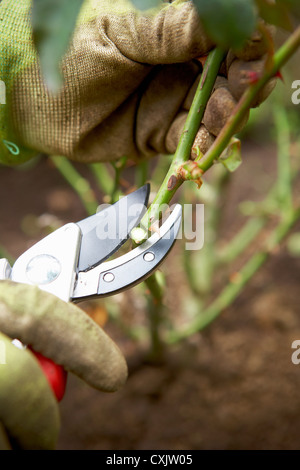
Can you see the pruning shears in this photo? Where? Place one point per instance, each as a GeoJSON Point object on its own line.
{"type": "Point", "coordinates": [74, 262]}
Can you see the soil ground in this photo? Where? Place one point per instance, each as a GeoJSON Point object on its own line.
{"type": "Point", "coordinates": [233, 386]}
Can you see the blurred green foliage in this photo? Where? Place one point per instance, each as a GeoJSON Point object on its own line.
{"type": "Point", "coordinates": [228, 23]}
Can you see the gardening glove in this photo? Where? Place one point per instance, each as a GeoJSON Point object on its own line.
{"type": "Point", "coordinates": [29, 414]}
{"type": "Point", "coordinates": [129, 79]}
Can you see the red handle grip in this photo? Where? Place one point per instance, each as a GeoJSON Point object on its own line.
{"type": "Point", "coordinates": [56, 375]}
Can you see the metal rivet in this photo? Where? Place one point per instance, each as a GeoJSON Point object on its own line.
{"type": "Point", "coordinates": [108, 277]}
{"type": "Point", "coordinates": [149, 256]}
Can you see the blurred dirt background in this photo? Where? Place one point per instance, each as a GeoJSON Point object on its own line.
{"type": "Point", "coordinates": [233, 386]}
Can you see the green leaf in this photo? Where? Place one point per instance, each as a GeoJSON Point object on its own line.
{"type": "Point", "coordinates": [231, 157]}
{"type": "Point", "coordinates": [275, 13]}
{"type": "Point", "coordinates": [228, 22]}
{"type": "Point", "coordinates": [146, 4]}
{"type": "Point", "coordinates": [53, 23]}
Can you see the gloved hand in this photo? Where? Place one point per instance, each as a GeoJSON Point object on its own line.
{"type": "Point", "coordinates": [129, 80]}
{"type": "Point", "coordinates": [29, 414]}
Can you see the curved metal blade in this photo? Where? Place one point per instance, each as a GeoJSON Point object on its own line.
{"type": "Point", "coordinates": [128, 270]}
{"type": "Point", "coordinates": [105, 232]}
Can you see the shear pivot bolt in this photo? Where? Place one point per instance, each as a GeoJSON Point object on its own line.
{"type": "Point", "coordinates": [108, 277]}
{"type": "Point", "coordinates": [149, 256]}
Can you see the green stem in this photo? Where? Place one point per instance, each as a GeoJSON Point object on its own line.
{"type": "Point", "coordinates": [77, 182]}
{"type": "Point", "coordinates": [284, 180]}
{"type": "Point", "coordinates": [103, 177]}
{"type": "Point", "coordinates": [136, 333]}
{"type": "Point", "coordinates": [164, 194]}
{"type": "Point", "coordinates": [5, 254]}
{"type": "Point", "coordinates": [141, 173]}
{"type": "Point", "coordinates": [156, 288]}
{"type": "Point", "coordinates": [201, 264]}
{"type": "Point", "coordinates": [167, 191]}
{"type": "Point", "coordinates": [250, 230]}
{"type": "Point", "coordinates": [195, 115]}
{"type": "Point", "coordinates": [242, 240]}
{"type": "Point", "coordinates": [282, 190]}
{"type": "Point", "coordinates": [118, 167]}
{"type": "Point", "coordinates": [280, 58]}
{"type": "Point", "coordinates": [232, 290]}
{"type": "Point", "coordinates": [155, 311]}
{"type": "Point", "coordinates": [191, 127]}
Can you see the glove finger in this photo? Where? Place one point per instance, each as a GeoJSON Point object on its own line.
{"type": "Point", "coordinates": [62, 332]}
{"type": "Point", "coordinates": [203, 139]}
{"type": "Point", "coordinates": [255, 47]}
{"type": "Point", "coordinates": [173, 33]}
{"type": "Point", "coordinates": [28, 408]}
{"type": "Point", "coordinates": [219, 108]}
{"type": "Point", "coordinates": [221, 82]}
{"type": "Point", "coordinates": [93, 117]}
{"type": "Point", "coordinates": [239, 77]}
{"type": "Point", "coordinates": [159, 106]}
{"type": "Point", "coordinates": [4, 440]}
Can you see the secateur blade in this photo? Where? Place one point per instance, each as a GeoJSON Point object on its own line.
{"type": "Point", "coordinates": [105, 232]}
{"type": "Point", "coordinates": [132, 268]}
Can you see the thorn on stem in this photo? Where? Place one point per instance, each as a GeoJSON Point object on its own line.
{"type": "Point", "coordinates": [202, 59]}
{"type": "Point", "coordinates": [250, 76]}
{"type": "Point", "coordinates": [236, 278]}
{"type": "Point", "coordinates": [279, 75]}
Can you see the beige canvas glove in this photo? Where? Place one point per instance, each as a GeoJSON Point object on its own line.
{"type": "Point", "coordinates": [129, 80]}
{"type": "Point", "coordinates": [62, 332]}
